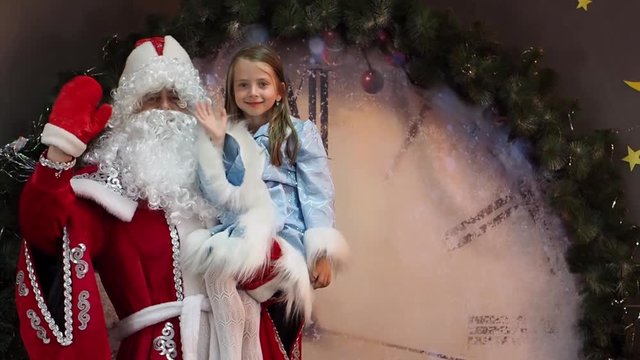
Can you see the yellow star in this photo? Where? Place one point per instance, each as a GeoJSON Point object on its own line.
{"type": "Point", "coordinates": [633, 157]}
{"type": "Point", "coordinates": [582, 4]}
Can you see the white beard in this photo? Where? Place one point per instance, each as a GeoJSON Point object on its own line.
{"type": "Point", "coordinates": [153, 155]}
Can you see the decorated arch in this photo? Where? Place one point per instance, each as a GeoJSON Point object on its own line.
{"type": "Point", "coordinates": [482, 224]}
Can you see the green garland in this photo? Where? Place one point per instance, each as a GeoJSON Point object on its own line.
{"type": "Point", "coordinates": [581, 172]}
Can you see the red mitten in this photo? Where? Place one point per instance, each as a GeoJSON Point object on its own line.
{"type": "Point", "coordinates": [74, 119]}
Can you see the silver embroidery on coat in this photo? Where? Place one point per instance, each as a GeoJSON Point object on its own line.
{"type": "Point", "coordinates": [35, 324]}
{"type": "Point", "coordinates": [66, 338]}
{"type": "Point", "coordinates": [280, 345]}
{"type": "Point", "coordinates": [22, 287]}
{"type": "Point", "coordinates": [165, 344]}
{"type": "Point", "coordinates": [296, 354]}
{"type": "Point", "coordinates": [110, 180]}
{"type": "Point", "coordinates": [175, 249]}
{"type": "Point", "coordinates": [84, 306]}
{"type": "Point", "coordinates": [76, 257]}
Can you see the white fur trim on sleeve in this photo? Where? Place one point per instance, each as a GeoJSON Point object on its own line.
{"type": "Point", "coordinates": [117, 205]}
{"type": "Point", "coordinates": [251, 190]}
{"type": "Point", "coordinates": [237, 257]}
{"type": "Point", "coordinates": [240, 257]}
{"type": "Point", "coordinates": [325, 241]}
{"type": "Point", "coordinates": [62, 139]}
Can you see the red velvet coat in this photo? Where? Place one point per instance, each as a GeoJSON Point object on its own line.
{"type": "Point", "coordinates": [134, 259]}
{"type": "Point", "coordinates": [130, 246]}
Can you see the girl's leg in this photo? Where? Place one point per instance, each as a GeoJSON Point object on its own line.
{"type": "Point", "coordinates": [251, 337]}
{"type": "Point", "coordinates": [229, 316]}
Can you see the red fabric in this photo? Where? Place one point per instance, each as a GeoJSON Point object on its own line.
{"type": "Point", "coordinates": [272, 348]}
{"type": "Point", "coordinates": [75, 108]}
{"type": "Point", "coordinates": [134, 261]}
{"type": "Point", "coordinates": [156, 41]}
{"type": "Point", "coordinates": [268, 273]}
{"type": "Point", "coordinates": [92, 340]}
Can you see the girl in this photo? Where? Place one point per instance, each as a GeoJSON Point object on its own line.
{"type": "Point", "coordinates": [263, 141]}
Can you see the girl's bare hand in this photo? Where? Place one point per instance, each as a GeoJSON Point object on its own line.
{"type": "Point", "coordinates": [321, 274]}
{"type": "Point", "coordinates": [215, 126]}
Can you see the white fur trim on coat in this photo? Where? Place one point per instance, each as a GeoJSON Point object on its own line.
{"type": "Point", "coordinates": [238, 257]}
{"type": "Point", "coordinates": [116, 204]}
{"type": "Point", "coordinates": [325, 241]}
{"type": "Point", "coordinates": [62, 139]}
{"type": "Point", "coordinates": [292, 278]}
{"type": "Point", "coordinates": [252, 190]}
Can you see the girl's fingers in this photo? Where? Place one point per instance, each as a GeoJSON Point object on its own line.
{"type": "Point", "coordinates": [204, 114]}
{"type": "Point", "coordinates": [199, 111]}
{"type": "Point", "coordinates": [223, 116]}
{"type": "Point", "coordinates": [325, 280]}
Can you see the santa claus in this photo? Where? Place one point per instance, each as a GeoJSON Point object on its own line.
{"type": "Point", "coordinates": [123, 215]}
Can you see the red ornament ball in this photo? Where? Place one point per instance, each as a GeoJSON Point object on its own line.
{"type": "Point", "coordinates": [332, 40]}
{"type": "Point", "coordinates": [383, 35]}
{"type": "Point", "coordinates": [372, 81]}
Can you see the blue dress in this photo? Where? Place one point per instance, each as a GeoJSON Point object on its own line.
{"type": "Point", "coordinates": [303, 192]}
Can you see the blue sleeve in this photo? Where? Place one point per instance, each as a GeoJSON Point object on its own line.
{"type": "Point", "coordinates": [315, 187]}
{"type": "Point", "coordinates": [233, 166]}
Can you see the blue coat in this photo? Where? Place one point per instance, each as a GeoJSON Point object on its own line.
{"type": "Point", "coordinates": [303, 193]}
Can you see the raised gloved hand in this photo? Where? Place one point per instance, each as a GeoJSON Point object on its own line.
{"type": "Point", "coordinates": [75, 118]}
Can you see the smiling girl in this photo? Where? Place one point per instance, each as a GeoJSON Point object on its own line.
{"type": "Point", "coordinates": [267, 173]}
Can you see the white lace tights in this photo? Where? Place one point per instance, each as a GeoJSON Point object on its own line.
{"type": "Point", "coordinates": [236, 321]}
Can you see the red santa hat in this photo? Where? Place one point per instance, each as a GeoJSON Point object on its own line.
{"type": "Point", "coordinates": [155, 63]}
{"type": "Point", "coordinates": [149, 50]}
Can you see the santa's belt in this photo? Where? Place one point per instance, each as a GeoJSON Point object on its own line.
{"type": "Point", "coordinates": [189, 311]}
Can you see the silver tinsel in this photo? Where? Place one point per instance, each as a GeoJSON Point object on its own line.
{"type": "Point", "coordinates": [13, 163]}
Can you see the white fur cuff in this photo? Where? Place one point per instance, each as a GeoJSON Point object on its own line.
{"type": "Point", "coordinates": [117, 205]}
{"type": "Point", "coordinates": [53, 135]}
{"type": "Point", "coordinates": [325, 241]}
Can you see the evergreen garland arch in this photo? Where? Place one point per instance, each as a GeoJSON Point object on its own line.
{"type": "Point", "coordinates": [583, 183]}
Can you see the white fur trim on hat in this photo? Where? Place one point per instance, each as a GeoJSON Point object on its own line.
{"type": "Point", "coordinates": [145, 53]}
{"type": "Point", "coordinates": [325, 241]}
{"type": "Point", "coordinates": [62, 139]}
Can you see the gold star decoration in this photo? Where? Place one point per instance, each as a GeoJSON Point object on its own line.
{"type": "Point", "coordinates": [635, 85]}
{"type": "Point", "coordinates": [582, 4]}
{"type": "Point", "coordinates": [633, 157]}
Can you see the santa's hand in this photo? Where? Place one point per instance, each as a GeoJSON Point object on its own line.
{"type": "Point", "coordinates": [215, 126]}
{"type": "Point", "coordinates": [75, 118]}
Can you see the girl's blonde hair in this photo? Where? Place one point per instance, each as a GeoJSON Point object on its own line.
{"type": "Point", "coordinates": [280, 120]}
